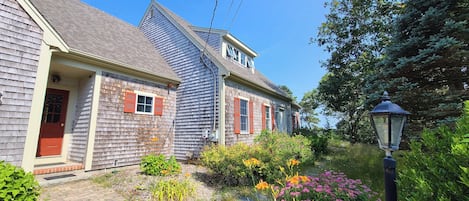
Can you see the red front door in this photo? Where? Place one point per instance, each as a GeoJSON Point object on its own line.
{"type": "Point", "coordinates": [53, 123]}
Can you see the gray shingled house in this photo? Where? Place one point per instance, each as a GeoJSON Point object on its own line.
{"type": "Point", "coordinates": [80, 89]}
{"type": "Point", "coordinates": [222, 97]}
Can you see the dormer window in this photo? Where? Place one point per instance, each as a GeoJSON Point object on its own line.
{"type": "Point", "coordinates": [238, 56]}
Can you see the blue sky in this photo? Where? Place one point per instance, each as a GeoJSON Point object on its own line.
{"type": "Point", "coordinates": [279, 31]}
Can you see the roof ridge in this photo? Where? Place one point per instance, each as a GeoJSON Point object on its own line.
{"type": "Point", "coordinates": [256, 77]}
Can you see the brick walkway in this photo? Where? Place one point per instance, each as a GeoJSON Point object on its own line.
{"type": "Point", "coordinates": [82, 190]}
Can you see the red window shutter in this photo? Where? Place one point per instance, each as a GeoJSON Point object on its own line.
{"type": "Point", "coordinates": [264, 126]}
{"type": "Point", "coordinates": [129, 102]}
{"type": "Point", "coordinates": [158, 106]}
{"type": "Point", "coordinates": [272, 114]}
{"type": "Point", "coordinates": [237, 116]}
{"type": "Point", "coordinates": [251, 117]}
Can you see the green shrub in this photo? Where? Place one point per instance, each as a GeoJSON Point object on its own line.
{"type": "Point", "coordinates": [172, 189]}
{"type": "Point", "coordinates": [158, 165]}
{"type": "Point", "coordinates": [15, 184]}
{"type": "Point", "coordinates": [272, 150]}
{"type": "Point", "coordinates": [319, 141]}
{"type": "Point", "coordinates": [436, 166]}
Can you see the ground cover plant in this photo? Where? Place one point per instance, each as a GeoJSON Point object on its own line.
{"type": "Point", "coordinates": [159, 165]}
{"type": "Point", "coordinates": [325, 187]}
{"type": "Point", "coordinates": [16, 184]}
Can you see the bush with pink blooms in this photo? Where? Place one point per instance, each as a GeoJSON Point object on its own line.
{"type": "Point", "coordinates": [329, 186]}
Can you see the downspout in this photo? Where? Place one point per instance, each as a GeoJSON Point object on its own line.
{"type": "Point", "coordinates": [214, 91]}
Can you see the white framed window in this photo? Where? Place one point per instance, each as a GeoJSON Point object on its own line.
{"type": "Point", "coordinates": [244, 115]}
{"type": "Point", "coordinates": [144, 104]}
{"type": "Point", "coordinates": [238, 56]}
{"type": "Point", "coordinates": [268, 119]}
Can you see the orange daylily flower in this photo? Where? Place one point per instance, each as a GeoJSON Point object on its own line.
{"type": "Point", "coordinates": [262, 185]}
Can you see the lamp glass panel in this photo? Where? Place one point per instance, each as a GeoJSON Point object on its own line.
{"type": "Point", "coordinates": [397, 125]}
{"type": "Point", "coordinates": [382, 128]}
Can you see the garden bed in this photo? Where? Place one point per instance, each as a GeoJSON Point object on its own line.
{"type": "Point", "coordinates": [133, 185]}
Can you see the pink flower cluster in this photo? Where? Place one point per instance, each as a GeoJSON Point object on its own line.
{"type": "Point", "coordinates": [329, 186]}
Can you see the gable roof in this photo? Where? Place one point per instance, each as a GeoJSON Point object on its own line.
{"type": "Point", "coordinates": [240, 74]}
{"type": "Point", "coordinates": [92, 32]}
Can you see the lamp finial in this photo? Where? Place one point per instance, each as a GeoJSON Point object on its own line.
{"type": "Point", "coordinates": [385, 96]}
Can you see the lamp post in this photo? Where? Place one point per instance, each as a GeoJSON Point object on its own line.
{"type": "Point", "coordinates": [388, 120]}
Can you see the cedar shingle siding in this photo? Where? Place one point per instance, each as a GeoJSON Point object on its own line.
{"type": "Point", "coordinates": [20, 41]}
{"type": "Point", "coordinates": [80, 129]}
{"type": "Point", "coordinates": [195, 94]}
{"type": "Point", "coordinates": [123, 138]}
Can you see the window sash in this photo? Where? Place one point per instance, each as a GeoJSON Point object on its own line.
{"type": "Point", "coordinates": [144, 104]}
{"type": "Point", "coordinates": [268, 123]}
{"type": "Point", "coordinates": [244, 119]}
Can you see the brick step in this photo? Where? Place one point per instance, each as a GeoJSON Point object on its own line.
{"type": "Point", "coordinates": [54, 168]}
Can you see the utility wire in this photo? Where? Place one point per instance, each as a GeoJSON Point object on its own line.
{"type": "Point", "coordinates": [229, 12]}
{"type": "Point", "coordinates": [235, 15]}
{"type": "Point", "coordinates": [210, 28]}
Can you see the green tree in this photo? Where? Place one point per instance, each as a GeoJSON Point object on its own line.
{"type": "Point", "coordinates": [425, 69]}
{"type": "Point", "coordinates": [355, 34]}
{"type": "Point", "coordinates": [309, 103]}
{"type": "Point", "coordinates": [287, 90]}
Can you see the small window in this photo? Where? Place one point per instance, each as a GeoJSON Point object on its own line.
{"type": "Point", "coordinates": [250, 62]}
{"type": "Point", "coordinates": [236, 55]}
{"type": "Point", "coordinates": [145, 104]}
{"type": "Point", "coordinates": [229, 51]}
{"type": "Point", "coordinates": [244, 115]}
{"type": "Point", "coordinates": [267, 118]}
{"type": "Point", "coordinates": [243, 59]}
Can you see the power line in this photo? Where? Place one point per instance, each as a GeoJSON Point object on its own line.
{"type": "Point", "coordinates": [210, 28]}
{"type": "Point", "coordinates": [235, 15]}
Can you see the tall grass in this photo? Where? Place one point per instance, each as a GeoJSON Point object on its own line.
{"type": "Point", "coordinates": [357, 161]}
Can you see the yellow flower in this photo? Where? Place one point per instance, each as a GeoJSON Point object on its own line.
{"type": "Point", "coordinates": [154, 139]}
{"type": "Point", "coordinates": [187, 174]}
{"type": "Point", "coordinates": [164, 172]}
{"type": "Point", "coordinates": [251, 162]}
{"type": "Point", "coordinates": [293, 162]}
{"type": "Point", "coordinates": [262, 185]}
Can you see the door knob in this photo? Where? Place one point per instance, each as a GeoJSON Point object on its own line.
{"type": "Point", "coordinates": [62, 124]}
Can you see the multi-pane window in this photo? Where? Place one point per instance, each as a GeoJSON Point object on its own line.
{"type": "Point", "coordinates": [267, 118]}
{"type": "Point", "coordinates": [145, 104]}
{"type": "Point", "coordinates": [238, 56]}
{"type": "Point", "coordinates": [244, 115]}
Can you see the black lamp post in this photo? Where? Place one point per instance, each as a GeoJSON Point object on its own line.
{"type": "Point", "coordinates": [388, 120]}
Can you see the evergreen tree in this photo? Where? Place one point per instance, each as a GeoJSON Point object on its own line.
{"type": "Point", "coordinates": [425, 70]}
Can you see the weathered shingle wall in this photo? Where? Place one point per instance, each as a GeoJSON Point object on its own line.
{"type": "Point", "coordinates": [20, 41]}
{"type": "Point", "coordinates": [214, 40]}
{"type": "Point", "coordinates": [198, 89]}
{"type": "Point", "coordinates": [123, 138]}
{"type": "Point", "coordinates": [81, 121]}
{"type": "Point", "coordinates": [234, 89]}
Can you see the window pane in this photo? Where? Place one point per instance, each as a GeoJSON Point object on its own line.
{"type": "Point", "coordinates": [141, 99]}
{"type": "Point", "coordinates": [244, 123]}
{"type": "Point", "coordinates": [148, 108]}
{"type": "Point", "coordinates": [140, 108]}
{"type": "Point", "coordinates": [149, 100]}
{"type": "Point", "coordinates": [243, 59]}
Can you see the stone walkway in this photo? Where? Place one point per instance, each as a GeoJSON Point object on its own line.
{"type": "Point", "coordinates": [82, 190]}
